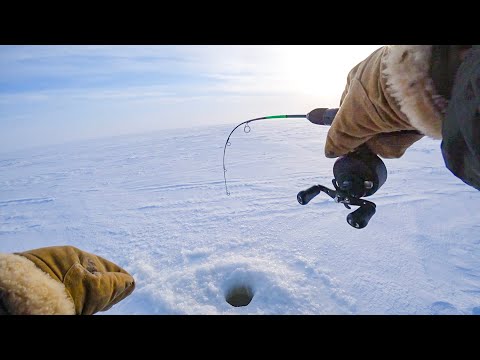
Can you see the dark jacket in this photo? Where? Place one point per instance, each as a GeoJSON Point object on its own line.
{"type": "Point", "coordinates": [461, 126]}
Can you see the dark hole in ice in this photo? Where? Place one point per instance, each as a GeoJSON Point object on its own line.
{"type": "Point", "coordinates": [239, 295]}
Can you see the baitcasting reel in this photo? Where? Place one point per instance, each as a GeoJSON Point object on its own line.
{"type": "Point", "coordinates": [357, 174]}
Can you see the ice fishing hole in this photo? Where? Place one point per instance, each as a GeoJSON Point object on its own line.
{"type": "Point", "coordinates": [239, 295]}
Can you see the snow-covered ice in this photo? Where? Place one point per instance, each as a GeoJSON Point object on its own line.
{"type": "Point", "coordinates": [156, 205]}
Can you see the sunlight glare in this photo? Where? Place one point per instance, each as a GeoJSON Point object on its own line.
{"type": "Point", "coordinates": [320, 70]}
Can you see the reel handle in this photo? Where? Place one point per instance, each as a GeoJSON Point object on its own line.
{"type": "Point", "coordinates": [305, 196]}
{"type": "Point", "coordinates": [360, 217]}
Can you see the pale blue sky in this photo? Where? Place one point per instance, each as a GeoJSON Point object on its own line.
{"type": "Point", "coordinates": [56, 94]}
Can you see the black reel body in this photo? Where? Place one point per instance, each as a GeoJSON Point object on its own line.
{"type": "Point", "coordinates": [360, 173]}
{"type": "Point", "coordinates": [356, 175]}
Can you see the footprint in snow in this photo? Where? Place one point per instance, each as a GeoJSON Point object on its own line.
{"type": "Point", "coordinates": [443, 308]}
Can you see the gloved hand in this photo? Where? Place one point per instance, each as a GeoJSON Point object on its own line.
{"type": "Point", "coordinates": [389, 103]}
{"type": "Point", "coordinates": [60, 280]}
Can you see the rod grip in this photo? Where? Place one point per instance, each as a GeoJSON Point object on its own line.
{"type": "Point", "coordinates": [322, 116]}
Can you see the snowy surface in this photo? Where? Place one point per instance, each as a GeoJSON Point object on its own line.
{"type": "Point", "coordinates": [156, 205]}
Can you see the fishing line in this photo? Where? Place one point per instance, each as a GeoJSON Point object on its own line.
{"type": "Point", "coordinates": [247, 129]}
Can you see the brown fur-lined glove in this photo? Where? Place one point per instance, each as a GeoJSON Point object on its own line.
{"type": "Point", "coordinates": [389, 103]}
{"type": "Point", "coordinates": [60, 280]}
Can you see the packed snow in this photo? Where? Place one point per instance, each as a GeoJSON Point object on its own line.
{"type": "Point", "coordinates": [156, 205]}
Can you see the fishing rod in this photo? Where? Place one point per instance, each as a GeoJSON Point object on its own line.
{"type": "Point", "coordinates": [320, 116]}
{"type": "Point", "coordinates": [357, 174]}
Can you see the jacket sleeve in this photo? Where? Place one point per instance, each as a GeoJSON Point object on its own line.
{"type": "Point", "coordinates": [366, 115]}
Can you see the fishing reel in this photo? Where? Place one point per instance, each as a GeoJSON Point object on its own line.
{"type": "Point", "coordinates": [356, 175]}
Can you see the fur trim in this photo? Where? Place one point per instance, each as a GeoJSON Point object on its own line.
{"type": "Point", "coordinates": [407, 73]}
{"type": "Point", "coordinates": [27, 290]}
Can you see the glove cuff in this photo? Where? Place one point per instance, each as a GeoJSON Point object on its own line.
{"type": "Point", "coordinates": [407, 74]}
{"type": "Point", "coordinates": [27, 290]}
